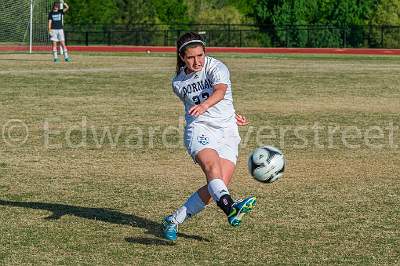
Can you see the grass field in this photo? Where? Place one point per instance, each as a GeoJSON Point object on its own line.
{"type": "Point", "coordinates": [91, 160]}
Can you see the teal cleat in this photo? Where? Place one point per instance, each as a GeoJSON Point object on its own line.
{"type": "Point", "coordinates": [170, 228]}
{"type": "Point", "coordinates": [240, 208]}
{"type": "Point", "coordinates": [56, 60]}
{"type": "Point", "coordinates": [68, 59]}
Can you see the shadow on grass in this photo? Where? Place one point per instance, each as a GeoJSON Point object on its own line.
{"type": "Point", "coordinates": [105, 215]}
{"type": "Point", "coordinates": [149, 241]}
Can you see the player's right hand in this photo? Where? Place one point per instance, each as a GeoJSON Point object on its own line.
{"type": "Point", "coordinates": [197, 110]}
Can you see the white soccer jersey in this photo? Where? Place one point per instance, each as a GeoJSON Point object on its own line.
{"type": "Point", "coordinates": [196, 87]}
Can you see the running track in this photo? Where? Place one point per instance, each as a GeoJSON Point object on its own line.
{"type": "Point", "coordinates": [165, 49]}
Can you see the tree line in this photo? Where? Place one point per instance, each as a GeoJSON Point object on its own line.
{"type": "Point", "coordinates": [270, 16]}
{"type": "Point", "coordinates": [261, 12]}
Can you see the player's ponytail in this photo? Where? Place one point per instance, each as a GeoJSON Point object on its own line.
{"type": "Point", "coordinates": [187, 40]}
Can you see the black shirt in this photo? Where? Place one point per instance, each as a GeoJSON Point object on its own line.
{"type": "Point", "coordinates": [56, 19]}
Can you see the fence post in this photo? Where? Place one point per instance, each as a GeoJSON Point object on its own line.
{"type": "Point", "coordinates": [382, 30]}
{"type": "Point", "coordinates": [109, 38]}
{"type": "Point", "coordinates": [87, 38]}
{"type": "Point", "coordinates": [287, 36]}
{"type": "Point", "coordinates": [165, 37]}
{"type": "Point", "coordinates": [240, 38]}
{"type": "Point", "coordinates": [229, 35]}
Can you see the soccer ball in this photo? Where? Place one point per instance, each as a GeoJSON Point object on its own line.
{"type": "Point", "coordinates": [266, 164]}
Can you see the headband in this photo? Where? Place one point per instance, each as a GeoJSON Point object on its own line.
{"type": "Point", "coordinates": [189, 42]}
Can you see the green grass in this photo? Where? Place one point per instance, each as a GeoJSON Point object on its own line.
{"type": "Point", "coordinates": [71, 194]}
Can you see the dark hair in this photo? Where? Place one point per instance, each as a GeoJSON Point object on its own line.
{"type": "Point", "coordinates": [56, 4]}
{"type": "Point", "coordinates": [180, 49]}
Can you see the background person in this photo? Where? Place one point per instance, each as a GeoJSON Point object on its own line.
{"type": "Point", "coordinates": [56, 30]}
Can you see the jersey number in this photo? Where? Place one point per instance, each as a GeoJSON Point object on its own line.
{"type": "Point", "coordinates": [204, 96]}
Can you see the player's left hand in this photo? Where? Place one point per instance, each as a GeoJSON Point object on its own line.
{"type": "Point", "coordinates": [197, 110]}
{"type": "Point", "coordinates": [241, 120]}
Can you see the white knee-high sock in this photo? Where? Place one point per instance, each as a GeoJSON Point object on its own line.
{"type": "Point", "coordinates": [192, 206]}
{"type": "Point", "coordinates": [217, 188]}
{"type": "Point", "coordinates": [55, 54]}
{"type": "Point", "coordinates": [66, 53]}
{"type": "Point", "coordinates": [220, 193]}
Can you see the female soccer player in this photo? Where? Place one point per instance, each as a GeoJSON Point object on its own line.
{"type": "Point", "coordinates": [211, 132]}
{"type": "Point", "coordinates": [56, 32]}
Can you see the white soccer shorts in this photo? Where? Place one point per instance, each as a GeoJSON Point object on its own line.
{"type": "Point", "coordinates": [57, 35]}
{"type": "Point", "coordinates": [223, 140]}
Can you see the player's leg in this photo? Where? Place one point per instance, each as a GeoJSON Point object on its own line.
{"type": "Point", "coordinates": [63, 46]}
{"type": "Point", "coordinates": [199, 199]}
{"type": "Point", "coordinates": [54, 40]}
{"type": "Point", "coordinates": [54, 48]}
{"type": "Point", "coordinates": [219, 192]}
{"type": "Point", "coordinates": [208, 160]}
{"type": "Point", "coordinates": [193, 205]}
{"type": "Point", "coordinates": [67, 58]}
{"type": "Point", "coordinates": [202, 197]}
{"type": "Point", "coordinates": [61, 51]}
{"type": "Point", "coordinates": [239, 207]}
{"type": "Point", "coordinates": [228, 152]}
{"type": "Point", "coordinates": [212, 166]}
{"type": "Point", "coordinates": [219, 173]}
{"type": "Point", "coordinates": [227, 168]}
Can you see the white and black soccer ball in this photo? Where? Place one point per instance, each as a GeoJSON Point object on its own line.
{"type": "Point", "coordinates": [266, 164]}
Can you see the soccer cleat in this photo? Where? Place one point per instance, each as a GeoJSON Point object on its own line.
{"type": "Point", "coordinates": [56, 60]}
{"type": "Point", "coordinates": [240, 208]}
{"type": "Point", "coordinates": [68, 59]}
{"type": "Point", "coordinates": [170, 228]}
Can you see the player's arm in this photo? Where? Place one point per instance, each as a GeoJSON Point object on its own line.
{"type": "Point", "coordinates": [50, 19]}
{"type": "Point", "coordinates": [49, 25]}
{"type": "Point", "coordinates": [66, 7]}
{"type": "Point", "coordinates": [218, 95]}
